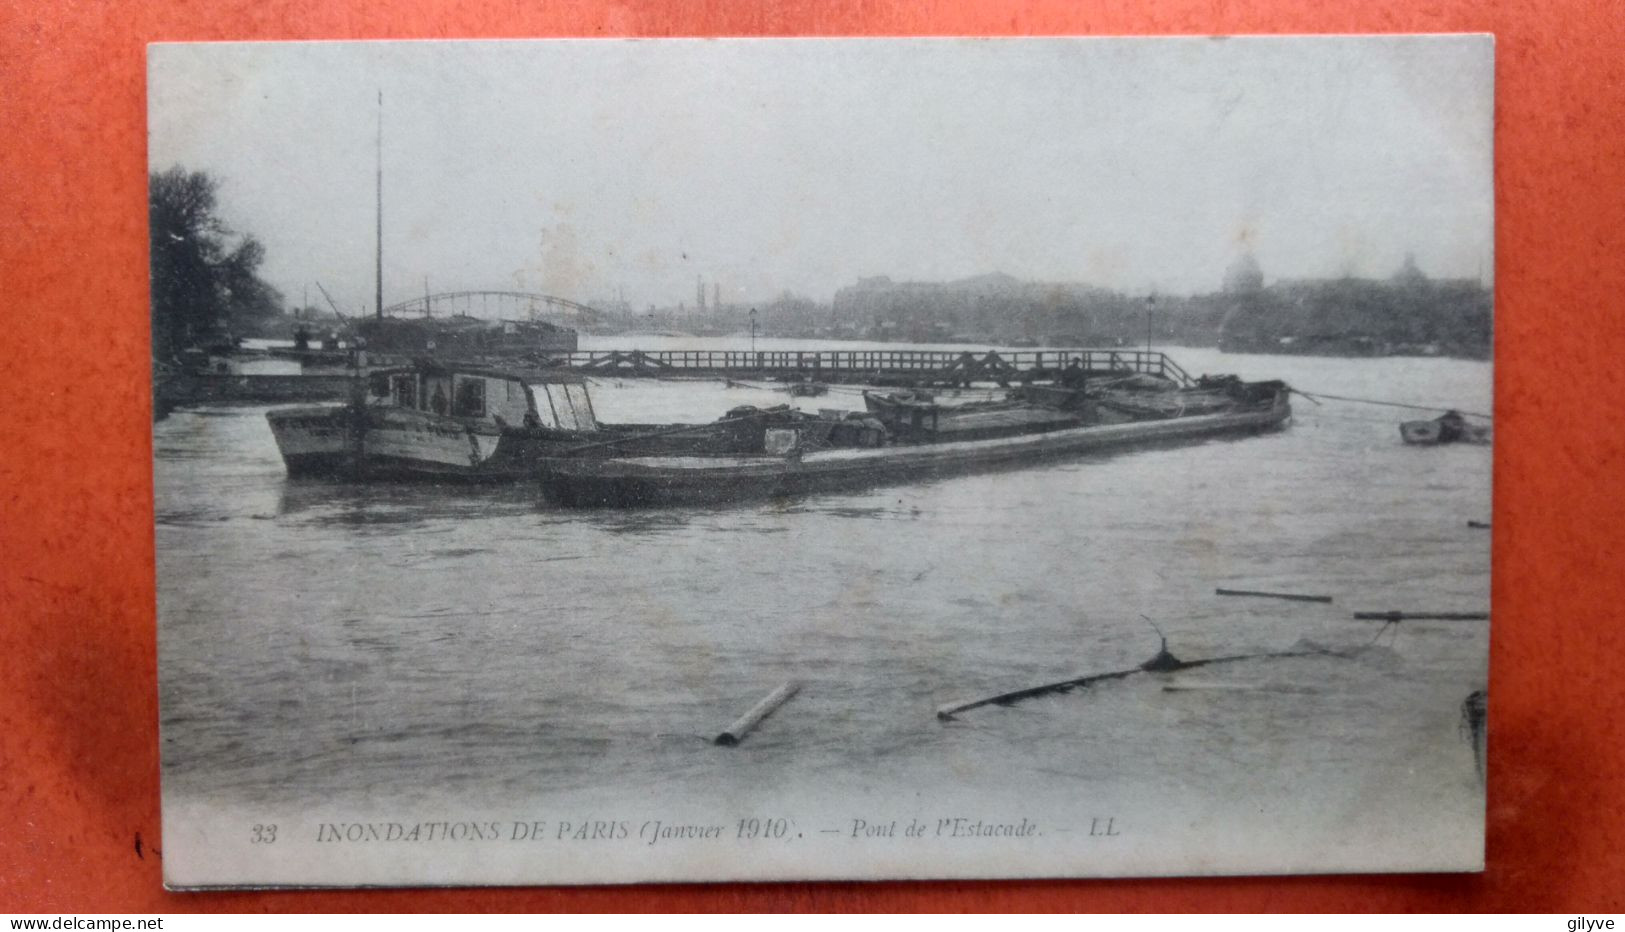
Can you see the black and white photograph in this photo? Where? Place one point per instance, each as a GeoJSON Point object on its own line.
{"type": "Point", "coordinates": [683, 460]}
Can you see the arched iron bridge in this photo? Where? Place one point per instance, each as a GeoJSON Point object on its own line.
{"type": "Point", "coordinates": [495, 305]}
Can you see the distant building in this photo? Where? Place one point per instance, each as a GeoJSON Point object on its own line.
{"type": "Point", "coordinates": [1409, 275]}
{"type": "Point", "coordinates": [985, 308]}
{"type": "Point", "coordinates": [1243, 276]}
{"type": "Point", "coordinates": [1405, 314]}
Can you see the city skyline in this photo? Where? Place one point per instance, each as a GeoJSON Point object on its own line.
{"type": "Point", "coordinates": [586, 170]}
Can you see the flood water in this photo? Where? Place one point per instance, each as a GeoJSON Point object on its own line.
{"type": "Point", "coordinates": [400, 646]}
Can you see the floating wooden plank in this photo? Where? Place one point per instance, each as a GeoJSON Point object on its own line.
{"type": "Point", "coordinates": [736, 732]}
{"type": "Point", "coordinates": [1422, 616]}
{"type": "Point", "coordinates": [949, 712]}
{"type": "Point", "coordinates": [1163, 662]}
{"type": "Point", "coordinates": [1274, 595]}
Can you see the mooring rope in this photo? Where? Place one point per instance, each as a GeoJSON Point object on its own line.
{"type": "Point", "coordinates": [1317, 396]}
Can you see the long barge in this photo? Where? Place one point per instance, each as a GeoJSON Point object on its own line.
{"type": "Point", "coordinates": [652, 481]}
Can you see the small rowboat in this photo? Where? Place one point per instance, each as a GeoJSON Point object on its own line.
{"type": "Point", "coordinates": [1452, 427]}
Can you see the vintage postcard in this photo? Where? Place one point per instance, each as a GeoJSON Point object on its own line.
{"type": "Point", "coordinates": [644, 461]}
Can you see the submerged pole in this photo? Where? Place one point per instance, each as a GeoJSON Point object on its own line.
{"type": "Point", "coordinates": [1274, 595]}
{"type": "Point", "coordinates": [1422, 616]}
{"type": "Point", "coordinates": [735, 733]}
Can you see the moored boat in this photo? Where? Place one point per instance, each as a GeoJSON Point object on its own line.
{"type": "Point", "coordinates": [643, 481]}
{"type": "Point", "coordinates": [435, 420]}
{"type": "Point", "coordinates": [1451, 427]}
{"type": "Point", "coordinates": [808, 389]}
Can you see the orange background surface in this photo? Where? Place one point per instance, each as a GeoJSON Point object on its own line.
{"type": "Point", "coordinates": [78, 699]}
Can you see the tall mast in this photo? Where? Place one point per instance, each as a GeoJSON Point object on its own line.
{"type": "Point", "coordinates": [378, 263]}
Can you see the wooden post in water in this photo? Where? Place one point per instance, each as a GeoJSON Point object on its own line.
{"type": "Point", "coordinates": [1422, 616]}
{"type": "Point", "coordinates": [735, 733]}
{"type": "Point", "coordinates": [1274, 595]}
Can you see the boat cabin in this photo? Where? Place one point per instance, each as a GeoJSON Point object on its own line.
{"type": "Point", "coordinates": [496, 397]}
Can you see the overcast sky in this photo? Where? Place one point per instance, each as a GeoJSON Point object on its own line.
{"type": "Point", "coordinates": [580, 168]}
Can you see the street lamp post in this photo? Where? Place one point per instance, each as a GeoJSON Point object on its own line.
{"type": "Point", "coordinates": [753, 331]}
{"type": "Point", "coordinates": [1150, 306]}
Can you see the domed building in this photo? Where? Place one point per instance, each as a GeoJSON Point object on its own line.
{"type": "Point", "coordinates": [1255, 320]}
{"type": "Point", "coordinates": [1409, 275]}
{"type": "Point", "coordinates": [1243, 276]}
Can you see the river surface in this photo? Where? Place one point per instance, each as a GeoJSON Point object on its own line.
{"type": "Point", "coordinates": [400, 649]}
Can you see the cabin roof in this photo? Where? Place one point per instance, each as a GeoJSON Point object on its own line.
{"type": "Point", "coordinates": [521, 374]}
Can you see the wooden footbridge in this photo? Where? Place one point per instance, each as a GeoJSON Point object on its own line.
{"type": "Point", "coordinates": [325, 377]}
{"type": "Point", "coordinates": [874, 366]}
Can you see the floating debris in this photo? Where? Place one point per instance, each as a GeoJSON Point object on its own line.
{"type": "Point", "coordinates": [1163, 662]}
{"type": "Point", "coordinates": [1274, 595]}
{"type": "Point", "coordinates": [1422, 616]}
{"type": "Point", "coordinates": [1205, 687]}
{"type": "Point", "coordinates": [736, 732]}
{"type": "Point", "coordinates": [1474, 726]}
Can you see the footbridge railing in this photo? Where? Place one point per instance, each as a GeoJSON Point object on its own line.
{"type": "Point", "coordinates": [852, 364]}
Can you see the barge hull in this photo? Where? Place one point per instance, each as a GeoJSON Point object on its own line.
{"type": "Point", "coordinates": [658, 481]}
{"type": "Point", "coordinates": [389, 444]}
{"type": "Point", "coordinates": [322, 443]}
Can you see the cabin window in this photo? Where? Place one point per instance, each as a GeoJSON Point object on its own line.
{"type": "Point", "coordinates": [404, 389]}
{"type": "Point", "coordinates": [582, 403]}
{"type": "Point", "coordinates": [563, 410]}
{"type": "Point", "coordinates": [470, 400]}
